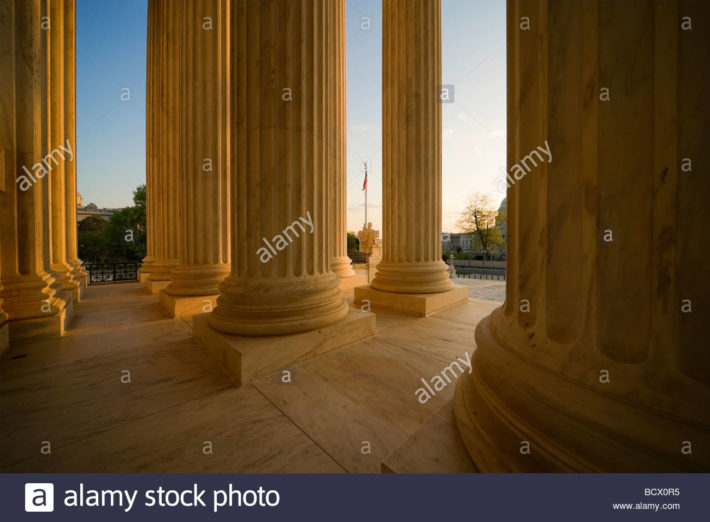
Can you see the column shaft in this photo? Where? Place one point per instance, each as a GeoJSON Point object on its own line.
{"type": "Point", "coordinates": [166, 140]}
{"type": "Point", "coordinates": [77, 270]}
{"type": "Point", "coordinates": [280, 279]}
{"type": "Point", "coordinates": [57, 157]}
{"type": "Point", "coordinates": [203, 169]}
{"type": "Point", "coordinates": [337, 158]}
{"type": "Point", "coordinates": [28, 289]}
{"type": "Point", "coordinates": [589, 360]}
{"type": "Point", "coordinates": [411, 128]}
{"type": "Point", "coordinates": [154, 64]}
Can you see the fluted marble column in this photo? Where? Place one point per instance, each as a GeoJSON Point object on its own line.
{"type": "Point", "coordinates": [77, 272]}
{"type": "Point", "coordinates": [411, 135]}
{"type": "Point", "coordinates": [280, 281]}
{"type": "Point", "coordinates": [165, 24]}
{"type": "Point", "coordinates": [29, 291]}
{"type": "Point", "coordinates": [337, 155]}
{"type": "Point", "coordinates": [203, 170]}
{"type": "Point", "coordinates": [57, 140]}
{"type": "Point", "coordinates": [598, 359]}
{"type": "Point", "coordinates": [154, 67]}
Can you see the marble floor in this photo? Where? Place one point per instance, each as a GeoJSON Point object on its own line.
{"type": "Point", "coordinates": [128, 390]}
{"type": "Point", "coordinates": [485, 289]}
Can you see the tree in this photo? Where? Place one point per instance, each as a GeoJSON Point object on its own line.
{"type": "Point", "coordinates": [353, 242]}
{"type": "Point", "coordinates": [121, 239]}
{"type": "Point", "coordinates": [139, 196]}
{"type": "Point", "coordinates": [124, 236]}
{"type": "Point", "coordinates": [90, 232]}
{"type": "Point", "coordinates": [126, 233]}
{"type": "Point", "coordinates": [479, 220]}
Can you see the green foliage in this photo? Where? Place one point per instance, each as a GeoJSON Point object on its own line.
{"type": "Point", "coordinates": [139, 196]}
{"type": "Point", "coordinates": [353, 242]}
{"type": "Point", "coordinates": [91, 241]}
{"type": "Point", "coordinates": [125, 238]}
{"type": "Point", "coordinates": [122, 238]}
{"type": "Point", "coordinates": [480, 219]}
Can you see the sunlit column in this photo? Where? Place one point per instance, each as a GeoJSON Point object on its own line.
{"type": "Point", "coordinates": [280, 280]}
{"type": "Point", "coordinates": [60, 152]}
{"type": "Point", "coordinates": [78, 273]}
{"type": "Point", "coordinates": [154, 63]}
{"type": "Point", "coordinates": [598, 359]}
{"type": "Point", "coordinates": [30, 298]}
{"type": "Point", "coordinates": [336, 161]}
{"type": "Point", "coordinates": [203, 170]}
{"type": "Point", "coordinates": [411, 142]}
{"type": "Point", "coordinates": [165, 139]}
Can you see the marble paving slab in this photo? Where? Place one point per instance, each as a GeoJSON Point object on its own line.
{"type": "Point", "coordinates": [436, 447]}
{"type": "Point", "coordinates": [365, 392]}
{"type": "Point", "coordinates": [247, 435]}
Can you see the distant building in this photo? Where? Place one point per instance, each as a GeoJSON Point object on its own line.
{"type": "Point", "coordinates": [456, 241]}
{"type": "Point", "coordinates": [83, 212]}
{"type": "Point", "coordinates": [502, 220]}
{"type": "Point", "coordinates": [464, 242]}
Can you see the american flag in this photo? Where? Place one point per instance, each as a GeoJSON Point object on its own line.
{"type": "Point", "coordinates": [364, 184]}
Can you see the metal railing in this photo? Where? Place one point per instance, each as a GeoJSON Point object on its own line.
{"type": "Point", "coordinates": [111, 272]}
{"type": "Point", "coordinates": [491, 277]}
{"type": "Point", "coordinates": [358, 257]}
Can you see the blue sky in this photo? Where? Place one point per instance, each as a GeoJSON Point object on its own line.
{"type": "Point", "coordinates": [111, 46]}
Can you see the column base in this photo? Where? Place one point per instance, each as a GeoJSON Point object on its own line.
{"type": "Point", "coordinates": [247, 357]}
{"type": "Point", "coordinates": [342, 267]}
{"type": "Point", "coordinates": [517, 416]}
{"type": "Point", "coordinates": [4, 338]}
{"type": "Point", "coordinates": [77, 293]}
{"type": "Point", "coordinates": [81, 278]}
{"type": "Point", "coordinates": [147, 268]}
{"type": "Point", "coordinates": [40, 327]}
{"type": "Point", "coordinates": [420, 305]}
{"type": "Point", "coordinates": [187, 305]}
{"type": "Point", "coordinates": [154, 287]}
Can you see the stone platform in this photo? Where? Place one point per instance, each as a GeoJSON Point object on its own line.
{"type": "Point", "coordinates": [421, 305]}
{"type": "Point", "coordinates": [247, 357]}
{"type": "Point", "coordinates": [186, 306]}
{"type": "Point", "coordinates": [68, 391]}
{"type": "Point", "coordinates": [154, 287]}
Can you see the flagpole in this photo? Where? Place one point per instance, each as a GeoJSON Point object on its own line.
{"type": "Point", "coordinates": [365, 227]}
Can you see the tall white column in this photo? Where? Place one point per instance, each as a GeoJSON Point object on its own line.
{"type": "Point", "coordinates": [203, 169]}
{"type": "Point", "coordinates": [598, 359]}
{"type": "Point", "coordinates": [77, 272]}
{"type": "Point", "coordinates": [281, 281]}
{"type": "Point", "coordinates": [154, 66]}
{"type": "Point", "coordinates": [411, 178]}
{"type": "Point", "coordinates": [336, 161]}
{"type": "Point", "coordinates": [165, 115]}
{"type": "Point", "coordinates": [30, 295]}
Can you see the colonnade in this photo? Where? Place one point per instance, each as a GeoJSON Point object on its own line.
{"type": "Point", "coordinates": [266, 111]}
{"type": "Point", "coordinates": [41, 275]}
{"type": "Point", "coordinates": [594, 362]}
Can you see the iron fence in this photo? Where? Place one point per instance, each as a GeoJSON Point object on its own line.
{"type": "Point", "coordinates": [492, 277]}
{"type": "Point", "coordinates": [111, 272]}
{"type": "Point", "coordinates": [358, 257]}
